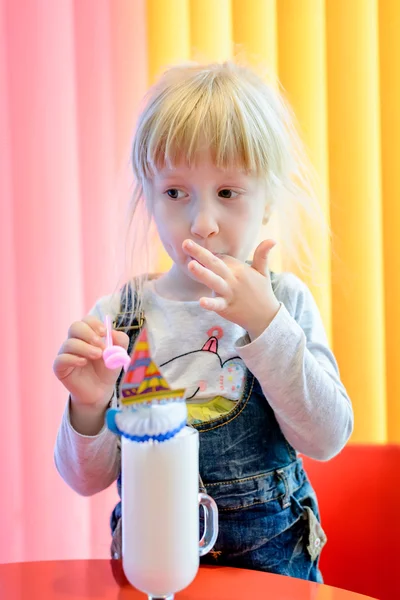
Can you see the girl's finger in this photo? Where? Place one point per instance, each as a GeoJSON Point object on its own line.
{"type": "Point", "coordinates": [81, 348]}
{"type": "Point", "coordinates": [214, 282]}
{"type": "Point", "coordinates": [215, 304]}
{"type": "Point", "coordinates": [95, 323]}
{"type": "Point", "coordinates": [82, 330]}
{"type": "Point", "coordinates": [261, 254]}
{"type": "Point", "coordinates": [120, 338]}
{"type": "Point", "coordinates": [65, 363]}
{"type": "Point", "coordinates": [98, 326]}
{"type": "Point", "coordinates": [206, 258]}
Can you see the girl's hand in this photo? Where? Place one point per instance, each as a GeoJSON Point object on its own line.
{"type": "Point", "coordinates": [79, 364]}
{"type": "Point", "coordinates": [242, 294]}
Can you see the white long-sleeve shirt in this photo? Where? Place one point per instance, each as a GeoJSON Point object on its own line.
{"type": "Point", "coordinates": [208, 355]}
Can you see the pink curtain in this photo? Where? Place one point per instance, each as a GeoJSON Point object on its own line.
{"type": "Point", "coordinates": [71, 77]}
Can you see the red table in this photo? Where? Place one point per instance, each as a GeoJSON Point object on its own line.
{"type": "Point", "coordinates": [104, 580]}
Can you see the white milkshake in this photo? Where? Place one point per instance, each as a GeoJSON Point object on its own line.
{"type": "Point", "coordinates": [160, 513]}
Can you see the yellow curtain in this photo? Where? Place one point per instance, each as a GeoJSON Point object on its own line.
{"type": "Point", "coordinates": [339, 63]}
{"type": "Point", "coordinates": [302, 72]}
{"type": "Point", "coordinates": [210, 29]}
{"type": "Point", "coordinates": [168, 34]}
{"type": "Point", "coordinates": [356, 208]}
{"type": "Point", "coordinates": [389, 67]}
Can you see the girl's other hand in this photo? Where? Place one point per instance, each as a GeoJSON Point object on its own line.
{"type": "Point", "coordinates": [243, 294]}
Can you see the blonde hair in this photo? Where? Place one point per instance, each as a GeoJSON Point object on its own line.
{"type": "Point", "coordinates": [245, 122]}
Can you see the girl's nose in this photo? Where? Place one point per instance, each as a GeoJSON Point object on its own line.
{"type": "Point", "coordinates": [204, 226]}
{"type": "Point", "coordinates": [204, 223]}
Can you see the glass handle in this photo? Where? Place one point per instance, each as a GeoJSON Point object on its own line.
{"type": "Point", "coordinates": [210, 523]}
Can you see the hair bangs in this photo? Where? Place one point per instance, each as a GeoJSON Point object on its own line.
{"type": "Point", "coordinates": [216, 116]}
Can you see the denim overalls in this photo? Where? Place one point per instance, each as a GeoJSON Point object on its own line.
{"type": "Point", "coordinates": [268, 513]}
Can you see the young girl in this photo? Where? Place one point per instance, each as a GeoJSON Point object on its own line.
{"type": "Point", "coordinates": [213, 154]}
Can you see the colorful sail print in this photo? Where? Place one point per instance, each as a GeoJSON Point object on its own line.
{"type": "Point", "coordinates": [143, 382]}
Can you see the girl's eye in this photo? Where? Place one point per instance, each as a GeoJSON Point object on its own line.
{"type": "Point", "coordinates": [173, 193]}
{"type": "Point", "coordinates": [227, 194]}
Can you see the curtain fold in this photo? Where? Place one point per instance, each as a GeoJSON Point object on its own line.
{"type": "Point", "coordinates": [48, 290]}
{"type": "Point", "coordinates": [168, 34]}
{"type": "Point", "coordinates": [210, 30]}
{"type": "Point", "coordinates": [356, 210]}
{"type": "Point", "coordinates": [72, 76]}
{"type": "Point", "coordinates": [10, 473]}
{"type": "Point", "coordinates": [389, 66]}
{"type": "Point", "coordinates": [302, 72]}
{"type": "Point", "coordinates": [255, 32]}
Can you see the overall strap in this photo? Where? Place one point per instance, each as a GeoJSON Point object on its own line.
{"type": "Point", "coordinates": [126, 321]}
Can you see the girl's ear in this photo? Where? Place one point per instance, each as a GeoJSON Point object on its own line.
{"type": "Point", "coordinates": [267, 214]}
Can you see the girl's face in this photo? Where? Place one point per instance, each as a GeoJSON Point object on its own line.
{"type": "Point", "coordinates": [221, 210]}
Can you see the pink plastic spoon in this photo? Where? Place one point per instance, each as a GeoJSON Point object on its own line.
{"type": "Point", "coordinates": [114, 357]}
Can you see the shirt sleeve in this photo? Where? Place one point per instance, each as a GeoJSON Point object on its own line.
{"type": "Point", "coordinates": [88, 464]}
{"type": "Point", "coordinates": [299, 375]}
